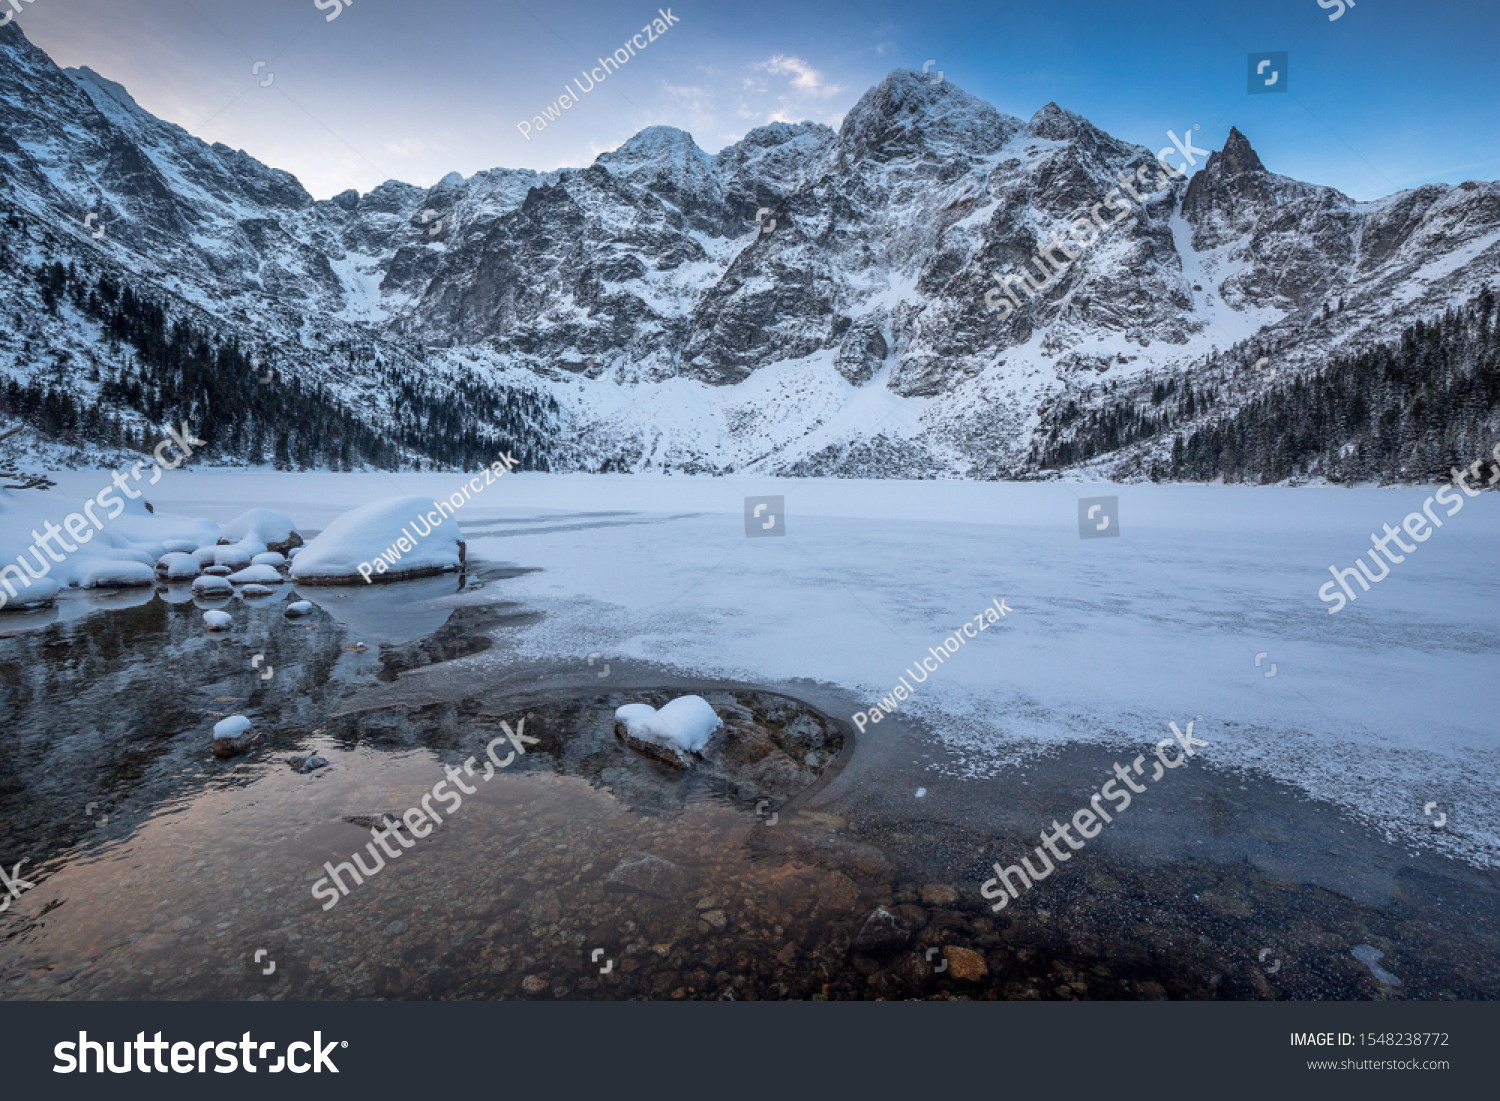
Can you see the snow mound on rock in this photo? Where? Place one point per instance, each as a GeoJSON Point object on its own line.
{"type": "Point", "coordinates": [233, 726]}
{"type": "Point", "coordinates": [41, 594]}
{"type": "Point", "coordinates": [262, 525]}
{"type": "Point", "coordinates": [392, 539]}
{"type": "Point", "coordinates": [116, 574]}
{"type": "Point", "coordinates": [256, 575]}
{"type": "Point", "coordinates": [177, 566]}
{"type": "Point", "coordinates": [687, 722]}
{"type": "Point", "coordinates": [236, 557]}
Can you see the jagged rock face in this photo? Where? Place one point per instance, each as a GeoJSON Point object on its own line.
{"type": "Point", "coordinates": [768, 286]}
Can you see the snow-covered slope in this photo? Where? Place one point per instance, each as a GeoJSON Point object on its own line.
{"type": "Point", "coordinates": [806, 301]}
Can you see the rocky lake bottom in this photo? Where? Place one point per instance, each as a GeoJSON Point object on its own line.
{"type": "Point", "coordinates": [792, 861]}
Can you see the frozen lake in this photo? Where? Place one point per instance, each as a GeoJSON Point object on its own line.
{"type": "Point", "coordinates": [1343, 805]}
{"type": "Point", "coordinates": [1206, 604]}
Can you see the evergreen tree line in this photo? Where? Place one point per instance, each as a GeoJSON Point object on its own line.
{"type": "Point", "coordinates": [247, 411]}
{"type": "Point", "coordinates": [1076, 437]}
{"type": "Point", "coordinates": [1406, 411]}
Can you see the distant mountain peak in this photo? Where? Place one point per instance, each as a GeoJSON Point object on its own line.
{"type": "Point", "coordinates": [1237, 155]}
{"type": "Point", "coordinates": [910, 112]}
{"type": "Point", "coordinates": [1055, 123]}
{"type": "Point", "coordinates": [83, 74]}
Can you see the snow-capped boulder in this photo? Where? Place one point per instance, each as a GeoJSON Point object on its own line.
{"type": "Point", "coordinates": [178, 566]}
{"type": "Point", "coordinates": [387, 540]}
{"type": "Point", "coordinates": [208, 585]}
{"type": "Point", "coordinates": [232, 736]}
{"type": "Point", "coordinates": [118, 574]}
{"type": "Point", "coordinates": [256, 575]}
{"type": "Point", "coordinates": [205, 556]}
{"type": "Point", "coordinates": [298, 609]}
{"type": "Point", "coordinates": [263, 525]}
{"type": "Point", "coordinates": [236, 557]}
{"type": "Point", "coordinates": [42, 594]}
{"type": "Point", "coordinates": [218, 621]}
{"type": "Point", "coordinates": [681, 728]}
{"type": "Point", "coordinates": [270, 558]}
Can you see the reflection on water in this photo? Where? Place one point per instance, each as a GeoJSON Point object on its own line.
{"type": "Point", "coordinates": [109, 699]}
{"type": "Point", "coordinates": [162, 872]}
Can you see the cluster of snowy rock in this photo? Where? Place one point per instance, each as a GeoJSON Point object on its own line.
{"type": "Point", "coordinates": [250, 555]}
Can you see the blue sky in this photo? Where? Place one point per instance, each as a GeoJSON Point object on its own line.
{"type": "Point", "coordinates": [1385, 97]}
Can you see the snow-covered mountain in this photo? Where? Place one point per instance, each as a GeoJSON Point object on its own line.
{"type": "Point", "coordinates": [803, 302]}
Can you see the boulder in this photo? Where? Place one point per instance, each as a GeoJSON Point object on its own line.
{"type": "Point", "coordinates": [256, 575]}
{"type": "Point", "coordinates": [642, 873]}
{"type": "Point", "coordinates": [882, 933]}
{"type": "Point", "coordinates": [212, 586]}
{"type": "Point", "coordinates": [177, 566]}
{"type": "Point", "coordinates": [663, 752]}
{"type": "Point", "coordinates": [965, 964]}
{"type": "Point", "coordinates": [233, 736]}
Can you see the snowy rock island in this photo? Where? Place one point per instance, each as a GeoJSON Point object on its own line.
{"type": "Point", "coordinates": [682, 727]}
{"type": "Point", "coordinates": [388, 540]}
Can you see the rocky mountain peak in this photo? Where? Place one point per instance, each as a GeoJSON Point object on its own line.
{"type": "Point", "coordinates": [1237, 157]}
{"type": "Point", "coordinates": [654, 149]}
{"type": "Point", "coordinates": [1054, 123]}
{"type": "Point", "coordinates": [84, 75]}
{"type": "Point", "coordinates": [1231, 179]}
{"type": "Point", "coordinates": [913, 113]}
{"type": "Point", "coordinates": [811, 259]}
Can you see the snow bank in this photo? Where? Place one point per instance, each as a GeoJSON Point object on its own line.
{"type": "Point", "coordinates": [41, 594]}
{"type": "Point", "coordinates": [395, 538]}
{"type": "Point", "coordinates": [687, 722]}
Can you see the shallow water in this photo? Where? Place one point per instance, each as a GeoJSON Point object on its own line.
{"type": "Point", "coordinates": [162, 872]}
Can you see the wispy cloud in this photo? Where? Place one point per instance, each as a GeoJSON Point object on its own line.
{"type": "Point", "coordinates": [805, 78]}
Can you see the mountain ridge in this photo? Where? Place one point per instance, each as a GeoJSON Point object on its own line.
{"type": "Point", "coordinates": [801, 301]}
